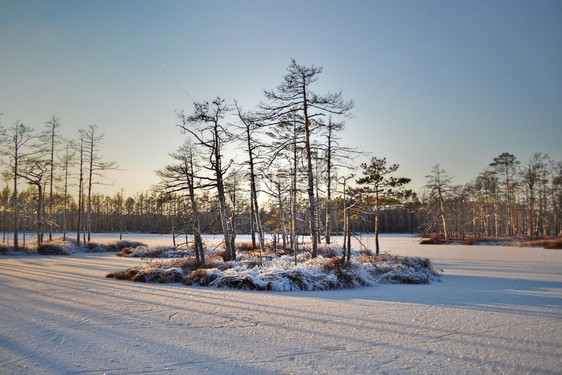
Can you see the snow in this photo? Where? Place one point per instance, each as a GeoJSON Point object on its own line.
{"type": "Point", "coordinates": [497, 310]}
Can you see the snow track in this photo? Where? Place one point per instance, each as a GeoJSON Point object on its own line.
{"type": "Point", "coordinates": [497, 311]}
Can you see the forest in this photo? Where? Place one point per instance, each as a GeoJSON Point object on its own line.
{"type": "Point", "coordinates": [291, 176]}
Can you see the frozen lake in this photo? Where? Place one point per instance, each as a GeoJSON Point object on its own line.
{"type": "Point", "coordinates": [498, 310]}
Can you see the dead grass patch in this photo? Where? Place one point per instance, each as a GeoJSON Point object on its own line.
{"type": "Point", "coordinates": [434, 239]}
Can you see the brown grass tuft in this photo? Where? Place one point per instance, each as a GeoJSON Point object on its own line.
{"type": "Point", "coordinates": [554, 244]}
{"type": "Point", "coordinates": [435, 239]}
{"type": "Point", "coordinates": [217, 256]}
{"type": "Point", "coordinates": [51, 249]}
{"type": "Point", "coordinates": [245, 246]}
{"type": "Point", "coordinates": [471, 240]}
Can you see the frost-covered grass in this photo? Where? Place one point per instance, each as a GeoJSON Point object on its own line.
{"type": "Point", "coordinates": [58, 246]}
{"type": "Point", "coordinates": [279, 273]}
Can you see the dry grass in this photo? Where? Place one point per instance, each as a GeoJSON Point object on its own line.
{"type": "Point", "coordinates": [435, 239]}
{"type": "Point", "coordinates": [221, 255]}
{"type": "Point", "coordinates": [51, 249]}
{"type": "Point", "coordinates": [554, 244]}
{"type": "Point", "coordinates": [547, 243]}
{"type": "Point", "coordinates": [245, 246]}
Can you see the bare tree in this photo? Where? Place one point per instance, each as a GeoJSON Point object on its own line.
{"type": "Point", "coordinates": [439, 184]}
{"type": "Point", "coordinates": [67, 161]}
{"type": "Point", "coordinates": [16, 147]}
{"type": "Point", "coordinates": [336, 156]}
{"type": "Point", "coordinates": [250, 125]}
{"type": "Point", "coordinates": [51, 138]}
{"type": "Point", "coordinates": [183, 177]}
{"type": "Point", "coordinates": [533, 175]}
{"type": "Point", "coordinates": [287, 144]}
{"type": "Point", "coordinates": [505, 165]}
{"type": "Point", "coordinates": [80, 146]}
{"type": "Point", "coordinates": [205, 125]}
{"type": "Point", "coordinates": [346, 254]}
{"type": "Point", "coordinates": [95, 168]}
{"type": "Point", "coordinates": [33, 170]}
{"type": "Point", "coordinates": [295, 97]}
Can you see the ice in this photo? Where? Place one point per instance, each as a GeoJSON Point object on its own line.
{"type": "Point", "coordinates": [496, 310]}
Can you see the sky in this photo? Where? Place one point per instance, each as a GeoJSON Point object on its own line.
{"type": "Point", "coordinates": [450, 82]}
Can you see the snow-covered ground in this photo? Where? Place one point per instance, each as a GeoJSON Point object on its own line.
{"type": "Point", "coordinates": [498, 310]}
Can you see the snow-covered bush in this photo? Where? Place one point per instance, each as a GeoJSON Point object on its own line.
{"type": "Point", "coordinates": [280, 273]}
{"type": "Point", "coordinates": [122, 244]}
{"type": "Point", "coordinates": [52, 249]}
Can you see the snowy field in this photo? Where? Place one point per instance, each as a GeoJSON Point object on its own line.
{"type": "Point", "coordinates": [498, 310]}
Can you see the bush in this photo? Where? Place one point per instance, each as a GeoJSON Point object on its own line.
{"type": "Point", "coordinates": [435, 239]}
{"type": "Point", "coordinates": [51, 249]}
{"type": "Point", "coordinates": [221, 255]}
{"type": "Point", "coordinates": [554, 244]}
{"type": "Point", "coordinates": [246, 246]}
{"type": "Point", "coordinates": [280, 274]}
{"type": "Point", "coordinates": [120, 245]}
{"type": "Point", "coordinates": [92, 247]}
{"type": "Point", "coordinates": [471, 240]}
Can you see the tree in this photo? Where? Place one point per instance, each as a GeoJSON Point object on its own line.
{"type": "Point", "coordinates": [505, 166]}
{"type": "Point", "coordinates": [51, 138]}
{"type": "Point", "coordinates": [67, 161]}
{"type": "Point", "coordinates": [534, 176]}
{"type": "Point", "coordinates": [439, 184]}
{"type": "Point", "coordinates": [95, 167]}
{"type": "Point", "coordinates": [287, 144]}
{"type": "Point", "coordinates": [251, 125]}
{"type": "Point", "coordinates": [274, 183]}
{"type": "Point", "coordinates": [205, 125]}
{"type": "Point", "coordinates": [294, 98]}
{"type": "Point", "coordinates": [484, 192]}
{"type": "Point", "coordinates": [334, 154]}
{"type": "Point", "coordinates": [15, 146]}
{"type": "Point", "coordinates": [80, 146]}
{"type": "Point", "coordinates": [346, 254]}
{"type": "Point", "coordinates": [33, 170]}
{"type": "Point", "coordinates": [384, 189]}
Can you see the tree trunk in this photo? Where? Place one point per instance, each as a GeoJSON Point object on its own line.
{"type": "Point", "coordinates": [310, 175]}
{"type": "Point", "coordinates": [16, 208]}
{"type": "Point", "coordinates": [230, 252]}
{"type": "Point", "coordinates": [254, 206]}
{"type": "Point", "coordinates": [294, 239]}
{"type": "Point", "coordinates": [282, 216]}
{"type": "Point", "coordinates": [39, 225]}
{"type": "Point", "coordinates": [442, 213]}
{"type": "Point", "coordinates": [377, 221]}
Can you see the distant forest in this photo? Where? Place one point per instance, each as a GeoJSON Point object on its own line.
{"type": "Point", "coordinates": [292, 176]}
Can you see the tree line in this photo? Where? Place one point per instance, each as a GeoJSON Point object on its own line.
{"type": "Point", "coordinates": [291, 176]}
{"type": "Point", "coordinates": [509, 198]}
{"type": "Point", "coordinates": [52, 168]}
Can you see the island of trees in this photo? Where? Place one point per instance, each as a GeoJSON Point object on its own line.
{"type": "Point", "coordinates": [291, 177]}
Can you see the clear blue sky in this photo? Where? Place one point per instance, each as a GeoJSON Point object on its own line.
{"type": "Point", "coordinates": [480, 77]}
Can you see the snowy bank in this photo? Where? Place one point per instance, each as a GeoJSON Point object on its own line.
{"type": "Point", "coordinates": [279, 273]}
